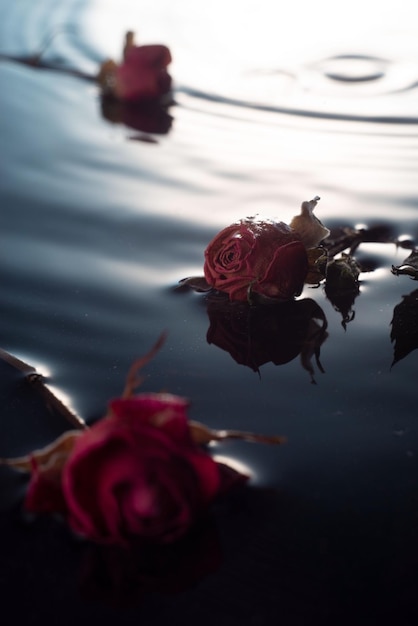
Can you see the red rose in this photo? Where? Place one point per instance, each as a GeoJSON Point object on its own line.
{"type": "Point", "coordinates": [143, 73]}
{"type": "Point", "coordinates": [134, 475]}
{"type": "Point", "coordinates": [263, 257]}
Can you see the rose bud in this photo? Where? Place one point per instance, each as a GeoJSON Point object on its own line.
{"type": "Point", "coordinates": [142, 75]}
{"type": "Point", "coordinates": [261, 257]}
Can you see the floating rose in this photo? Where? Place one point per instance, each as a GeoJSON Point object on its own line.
{"type": "Point", "coordinates": [261, 257]}
{"type": "Point", "coordinates": [142, 75]}
{"type": "Point", "coordinates": [137, 474]}
{"type": "Point", "coordinates": [141, 474]}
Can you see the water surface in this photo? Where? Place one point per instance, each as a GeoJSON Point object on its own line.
{"type": "Point", "coordinates": [98, 227]}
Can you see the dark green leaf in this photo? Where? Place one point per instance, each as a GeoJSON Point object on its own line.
{"type": "Point", "coordinates": [404, 323]}
{"type": "Point", "coordinates": [409, 266]}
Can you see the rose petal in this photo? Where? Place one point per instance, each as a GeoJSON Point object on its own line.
{"type": "Point", "coordinates": [122, 465]}
{"type": "Point", "coordinates": [256, 256]}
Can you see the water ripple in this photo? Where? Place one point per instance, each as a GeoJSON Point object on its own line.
{"type": "Point", "coordinates": [302, 112]}
{"type": "Point", "coordinates": [376, 86]}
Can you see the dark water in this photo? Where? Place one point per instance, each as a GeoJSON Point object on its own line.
{"type": "Point", "coordinates": [98, 226]}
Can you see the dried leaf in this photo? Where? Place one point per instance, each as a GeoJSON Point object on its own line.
{"type": "Point", "coordinates": [53, 455]}
{"type": "Point", "coordinates": [408, 267]}
{"type": "Point", "coordinates": [341, 239]}
{"type": "Point", "coordinates": [197, 283]}
{"type": "Point", "coordinates": [106, 76]}
{"type": "Point", "coordinates": [342, 273]}
{"type": "Point", "coordinates": [404, 323]}
{"type": "Point", "coordinates": [308, 226]}
{"type": "Point", "coordinates": [202, 435]}
{"type": "Point", "coordinates": [348, 238]}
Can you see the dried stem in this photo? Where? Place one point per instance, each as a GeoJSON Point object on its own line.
{"type": "Point", "coordinates": [36, 381]}
{"type": "Point", "coordinates": [202, 435]}
{"type": "Point", "coordinates": [52, 402]}
{"type": "Point", "coordinates": [133, 380]}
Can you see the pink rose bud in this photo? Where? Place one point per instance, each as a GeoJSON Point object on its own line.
{"type": "Point", "coordinates": [143, 73]}
{"type": "Point", "coordinates": [262, 257]}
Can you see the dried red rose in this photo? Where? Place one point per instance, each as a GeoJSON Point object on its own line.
{"type": "Point", "coordinates": [136, 474]}
{"type": "Point", "coordinates": [141, 77]}
{"type": "Point", "coordinates": [140, 476]}
{"type": "Point", "coordinates": [262, 257]}
{"type": "Point", "coordinates": [143, 74]}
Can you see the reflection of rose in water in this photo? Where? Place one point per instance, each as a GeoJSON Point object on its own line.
{"type": "Point", "coordinates": [123, 577]}
{"type": "Point", "coordinates": [277, 332]}
{"type": "Point", "coordinates": [147, 117]}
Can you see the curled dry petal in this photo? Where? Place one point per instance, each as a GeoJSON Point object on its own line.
{"type": "Point", "coordinates": [308, 226]}
{"type": "Point", "coordinates": [54, 454]}
{"type": "Point", "coordinates": [408, 267]}
{"type": "Point", "coordinates": [256, 257]}
{"type": "Point", "coordinates": [197, 283]}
